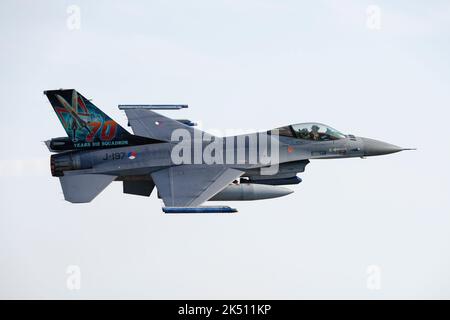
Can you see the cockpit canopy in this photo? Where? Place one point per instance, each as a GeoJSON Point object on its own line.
{"type": "Point", "coordinates": [309, 131]}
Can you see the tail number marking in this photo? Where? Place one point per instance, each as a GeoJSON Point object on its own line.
{"type": "Point", "coordinates": [114, 156]}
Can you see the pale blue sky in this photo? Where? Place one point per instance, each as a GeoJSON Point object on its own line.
{"type": "Point", "coordinates": [238, 64]}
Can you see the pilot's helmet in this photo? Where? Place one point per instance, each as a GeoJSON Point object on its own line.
{"type": "Point", "coordinates": [315, 128]}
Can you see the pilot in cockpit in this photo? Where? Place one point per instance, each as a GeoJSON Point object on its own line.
{"type": "Point", "coordinates": [303, 133]}
{"type": "Point", "coordinates": [315, 132]}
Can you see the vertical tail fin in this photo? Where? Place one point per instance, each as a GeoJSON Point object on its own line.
{"type": "Point", "coordinates": [85, 124]}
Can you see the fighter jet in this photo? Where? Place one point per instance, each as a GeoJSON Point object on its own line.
{"type": "Point", "coordinates": [188, 166]}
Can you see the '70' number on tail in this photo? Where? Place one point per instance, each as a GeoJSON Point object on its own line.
{"type": "Point", "coordinates": [107, 133]}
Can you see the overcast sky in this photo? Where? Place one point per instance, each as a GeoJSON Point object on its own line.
{"type": "Point", "coordinates": [373, 228]}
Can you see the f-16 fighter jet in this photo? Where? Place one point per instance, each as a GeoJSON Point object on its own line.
{"type": "Point", "coordinates": [187, 166]}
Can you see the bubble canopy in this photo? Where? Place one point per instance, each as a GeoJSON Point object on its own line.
{"type": "Point", "coordinates": [310, 131]}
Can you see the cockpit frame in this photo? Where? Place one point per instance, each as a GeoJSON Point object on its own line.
{"type": "Point", "coordinates": [311, 131]}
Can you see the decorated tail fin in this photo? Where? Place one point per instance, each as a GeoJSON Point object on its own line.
{"type": "Point", "coordinates": [83, 121]}
{"type": "Point", "coordinates": [87, 126]}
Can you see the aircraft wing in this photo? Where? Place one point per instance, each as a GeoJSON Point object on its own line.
{"type": "Point", "coordinates": [147, 123]}
{"type": "Point", "coordinates": [190, 186]}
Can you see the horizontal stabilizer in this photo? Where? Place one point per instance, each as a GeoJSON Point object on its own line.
{"type": "Point", "coordinates": [205, 209]}
{"type": "Point", "coordinates": [82, 188]}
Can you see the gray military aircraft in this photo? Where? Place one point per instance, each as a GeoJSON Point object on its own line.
{"type": "Point", "coordinates": [187, 166]}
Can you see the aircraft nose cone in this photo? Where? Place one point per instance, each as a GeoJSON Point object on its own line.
{"type": "Point", "coordinates": [374, 147]}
